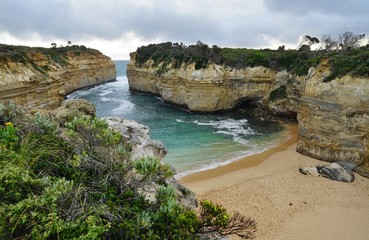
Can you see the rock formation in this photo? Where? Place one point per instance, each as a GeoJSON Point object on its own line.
{"type": "Point", "coordinates": [211, 89]}
{"type": "Point", "coordinates": [138, 136]}
{"type": "Point", "coordinates": [333, 117]}
{"type": "Point", "coordinates": [284, 101]}
{"type": "Point", "coordinates": [70, 109]}
{"type": "Point", "coordinates": [339, 171]}
{"type": "Point", "coordinates": [37, 77]}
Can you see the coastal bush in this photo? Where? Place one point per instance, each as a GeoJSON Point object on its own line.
{"type": "Point", "coordinates": [278, 93]}
{"type": "Point", "coordinates": [77, 181]}
{"type": "Point", "coordinates": [8, 137]}
{"type": "Point", "coordinates": [343, 61]}
{"type": "Point", "coordinates": [56, 55]}
{"type": "Point", "coordinates": [214, 218]}
{"type": "Point", "coordinates": [351, 61]}
{"type": "Point", "coordinates": [150, 168]}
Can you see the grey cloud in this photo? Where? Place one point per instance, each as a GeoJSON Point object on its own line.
{"type": "Point", "coordinates": [343, 8]}
{"type": "Point", "coordinates": [222, 22]}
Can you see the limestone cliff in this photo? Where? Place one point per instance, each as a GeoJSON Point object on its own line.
{"type": "Point", "coordinates": [41, 78]}
{"type": "Point", "coordinates": [333, 117]}
{"type": "Point", "coordinates": [284, 101]}
{"type": "Point", "coordinates": [209, 89]}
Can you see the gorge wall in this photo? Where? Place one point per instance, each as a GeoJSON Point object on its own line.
{"type": "Point", "coordinates": [41, 78]}
{"type": "Point", "coordinates": [210, 89]}
{"type": "Point", "coordinates": [333, 116]}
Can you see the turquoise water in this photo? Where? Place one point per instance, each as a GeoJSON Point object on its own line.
{"type": "Point", "coordinates": [195, 142]}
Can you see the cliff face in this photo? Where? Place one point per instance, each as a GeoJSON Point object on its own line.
{"type": "Point", "coordinates": [36, 79]}
{"type": "Point", "coordinates": [284, 101]}
{"type": "Point", "coordinates": [211, 89]}
{"type": "Point", "coordinates": [333, 117]}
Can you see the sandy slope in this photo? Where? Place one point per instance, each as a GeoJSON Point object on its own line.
{"type": "Point", "coordinates": [287, 204]}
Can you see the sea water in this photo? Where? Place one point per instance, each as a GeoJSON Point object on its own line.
{"type": "Point", "coordinates": [194, 141]}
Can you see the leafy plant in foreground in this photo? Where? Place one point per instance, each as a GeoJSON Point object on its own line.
{"type": "Point", "coordinates": [78, 182]}
{"type": "Point", "coordinates": [214, 218]}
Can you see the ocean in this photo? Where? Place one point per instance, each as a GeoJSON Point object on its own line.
{"type": "Point", "coordinates": [194, 141]}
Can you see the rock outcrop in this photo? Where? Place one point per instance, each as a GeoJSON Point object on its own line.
{"type": "Point", "coordinates": [41, 78]}
{"type": "Point", "coordinates": [210, 89]}
{"type": "Point", "coordinates": [138, 136]}
{"type": "Point", "coordinates": [70, 109]}
{"type": "Point", "coordinates": [284, 101]}
{"type": "Point", "coordinates": [333, 117]}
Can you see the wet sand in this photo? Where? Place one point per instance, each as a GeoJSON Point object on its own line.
{"type": "Point", "coordinates": [285, 203]}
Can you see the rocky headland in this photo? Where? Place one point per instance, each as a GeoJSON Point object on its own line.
{"type": "Point", "coordinates": [42, 77]}
{"type": "Point", "coordinates": [329, 97]}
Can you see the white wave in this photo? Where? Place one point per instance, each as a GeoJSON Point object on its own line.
{"type": "Point", "coordinates": [203, 123]}
{"type": "Point", "coordinates": [78, 94]}
{"type": "Point", "coordinates": [216, 164]}
{"type": "Point", "coordinates": [179, 120]}
{"type": "Point", "coordinates": [105, 99]}
{"type": "Point", "coordinates": [240, 155]}
{"type": "Point", "coordinates": [105, 92]}
{"type": "Point", "coordinates": [122, 78]}
{"type": "Point", "coordinates": [123, 107]}
{"type": "Point", "coordinates": [237, 130]}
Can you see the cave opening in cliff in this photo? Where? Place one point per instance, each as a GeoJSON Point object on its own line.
{"type": "Point", "coordinates": [249, 105]}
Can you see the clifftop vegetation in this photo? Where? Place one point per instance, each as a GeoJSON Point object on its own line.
{"type": "Point", "coordinates": [25, 55]}
{"type": "Point", "coordinates": [345, 56]}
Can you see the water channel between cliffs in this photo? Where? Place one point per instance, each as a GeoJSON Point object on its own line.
{"type": "Point", "coordinates": [195, 141]}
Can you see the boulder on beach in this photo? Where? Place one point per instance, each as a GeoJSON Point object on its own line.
{"type": "Point", "coordinates": [338, 171]}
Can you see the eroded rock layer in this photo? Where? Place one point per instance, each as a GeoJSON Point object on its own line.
{"type": "Point", "coordinates": [36, 79]}
{"type": "Point", "coordinates": [211, 89]}
{"type": "Point", "coordinates": [333, 117]}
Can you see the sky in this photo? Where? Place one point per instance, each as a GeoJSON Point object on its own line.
{"type": "Point", "coordinates": [118, 27]}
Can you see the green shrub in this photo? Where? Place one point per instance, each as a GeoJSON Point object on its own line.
{"type": "Point", "coordinates": [214, 218]}
{"type": "Point", "coordinates": [78, 182]}
{"type": "Point", "coordinates": [150, 167]}
{"type": "Point", "coordinates": [349, 61]}
{"type": "Point", "coordinates": [352, 61]}
{"type": "Point", "coordinates": [279, 93]}
{"type": "Point", "coordinates": [8, 136]}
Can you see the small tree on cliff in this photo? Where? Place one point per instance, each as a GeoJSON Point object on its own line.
{"type": "Point", "coordinates": [328, 43]}
{"type": "Point", "coordinates": [345, 41]}
{"type": "Point", "coordinates": [307, 41]}
{"type": "Point", "coordinates": [53, 45]}
{"type": "Point", "coordinates": [350, 40]}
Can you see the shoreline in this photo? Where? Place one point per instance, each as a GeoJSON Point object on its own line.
{"type": "Point", "coordinates": [285, 203]}
{"type": "Point", "coordinates": [286, 136]}
{"type": "Point", "coordinates": [242, 163]}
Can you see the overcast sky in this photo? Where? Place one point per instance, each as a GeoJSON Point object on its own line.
{"type": "Point", "coordinates": [117, 27]}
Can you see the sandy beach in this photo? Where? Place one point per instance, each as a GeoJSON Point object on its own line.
{"type": "Point", "coordinates": [285, 203]}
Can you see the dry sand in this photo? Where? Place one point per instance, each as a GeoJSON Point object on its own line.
{"type": "Point", "coordinates": [285, 203]}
